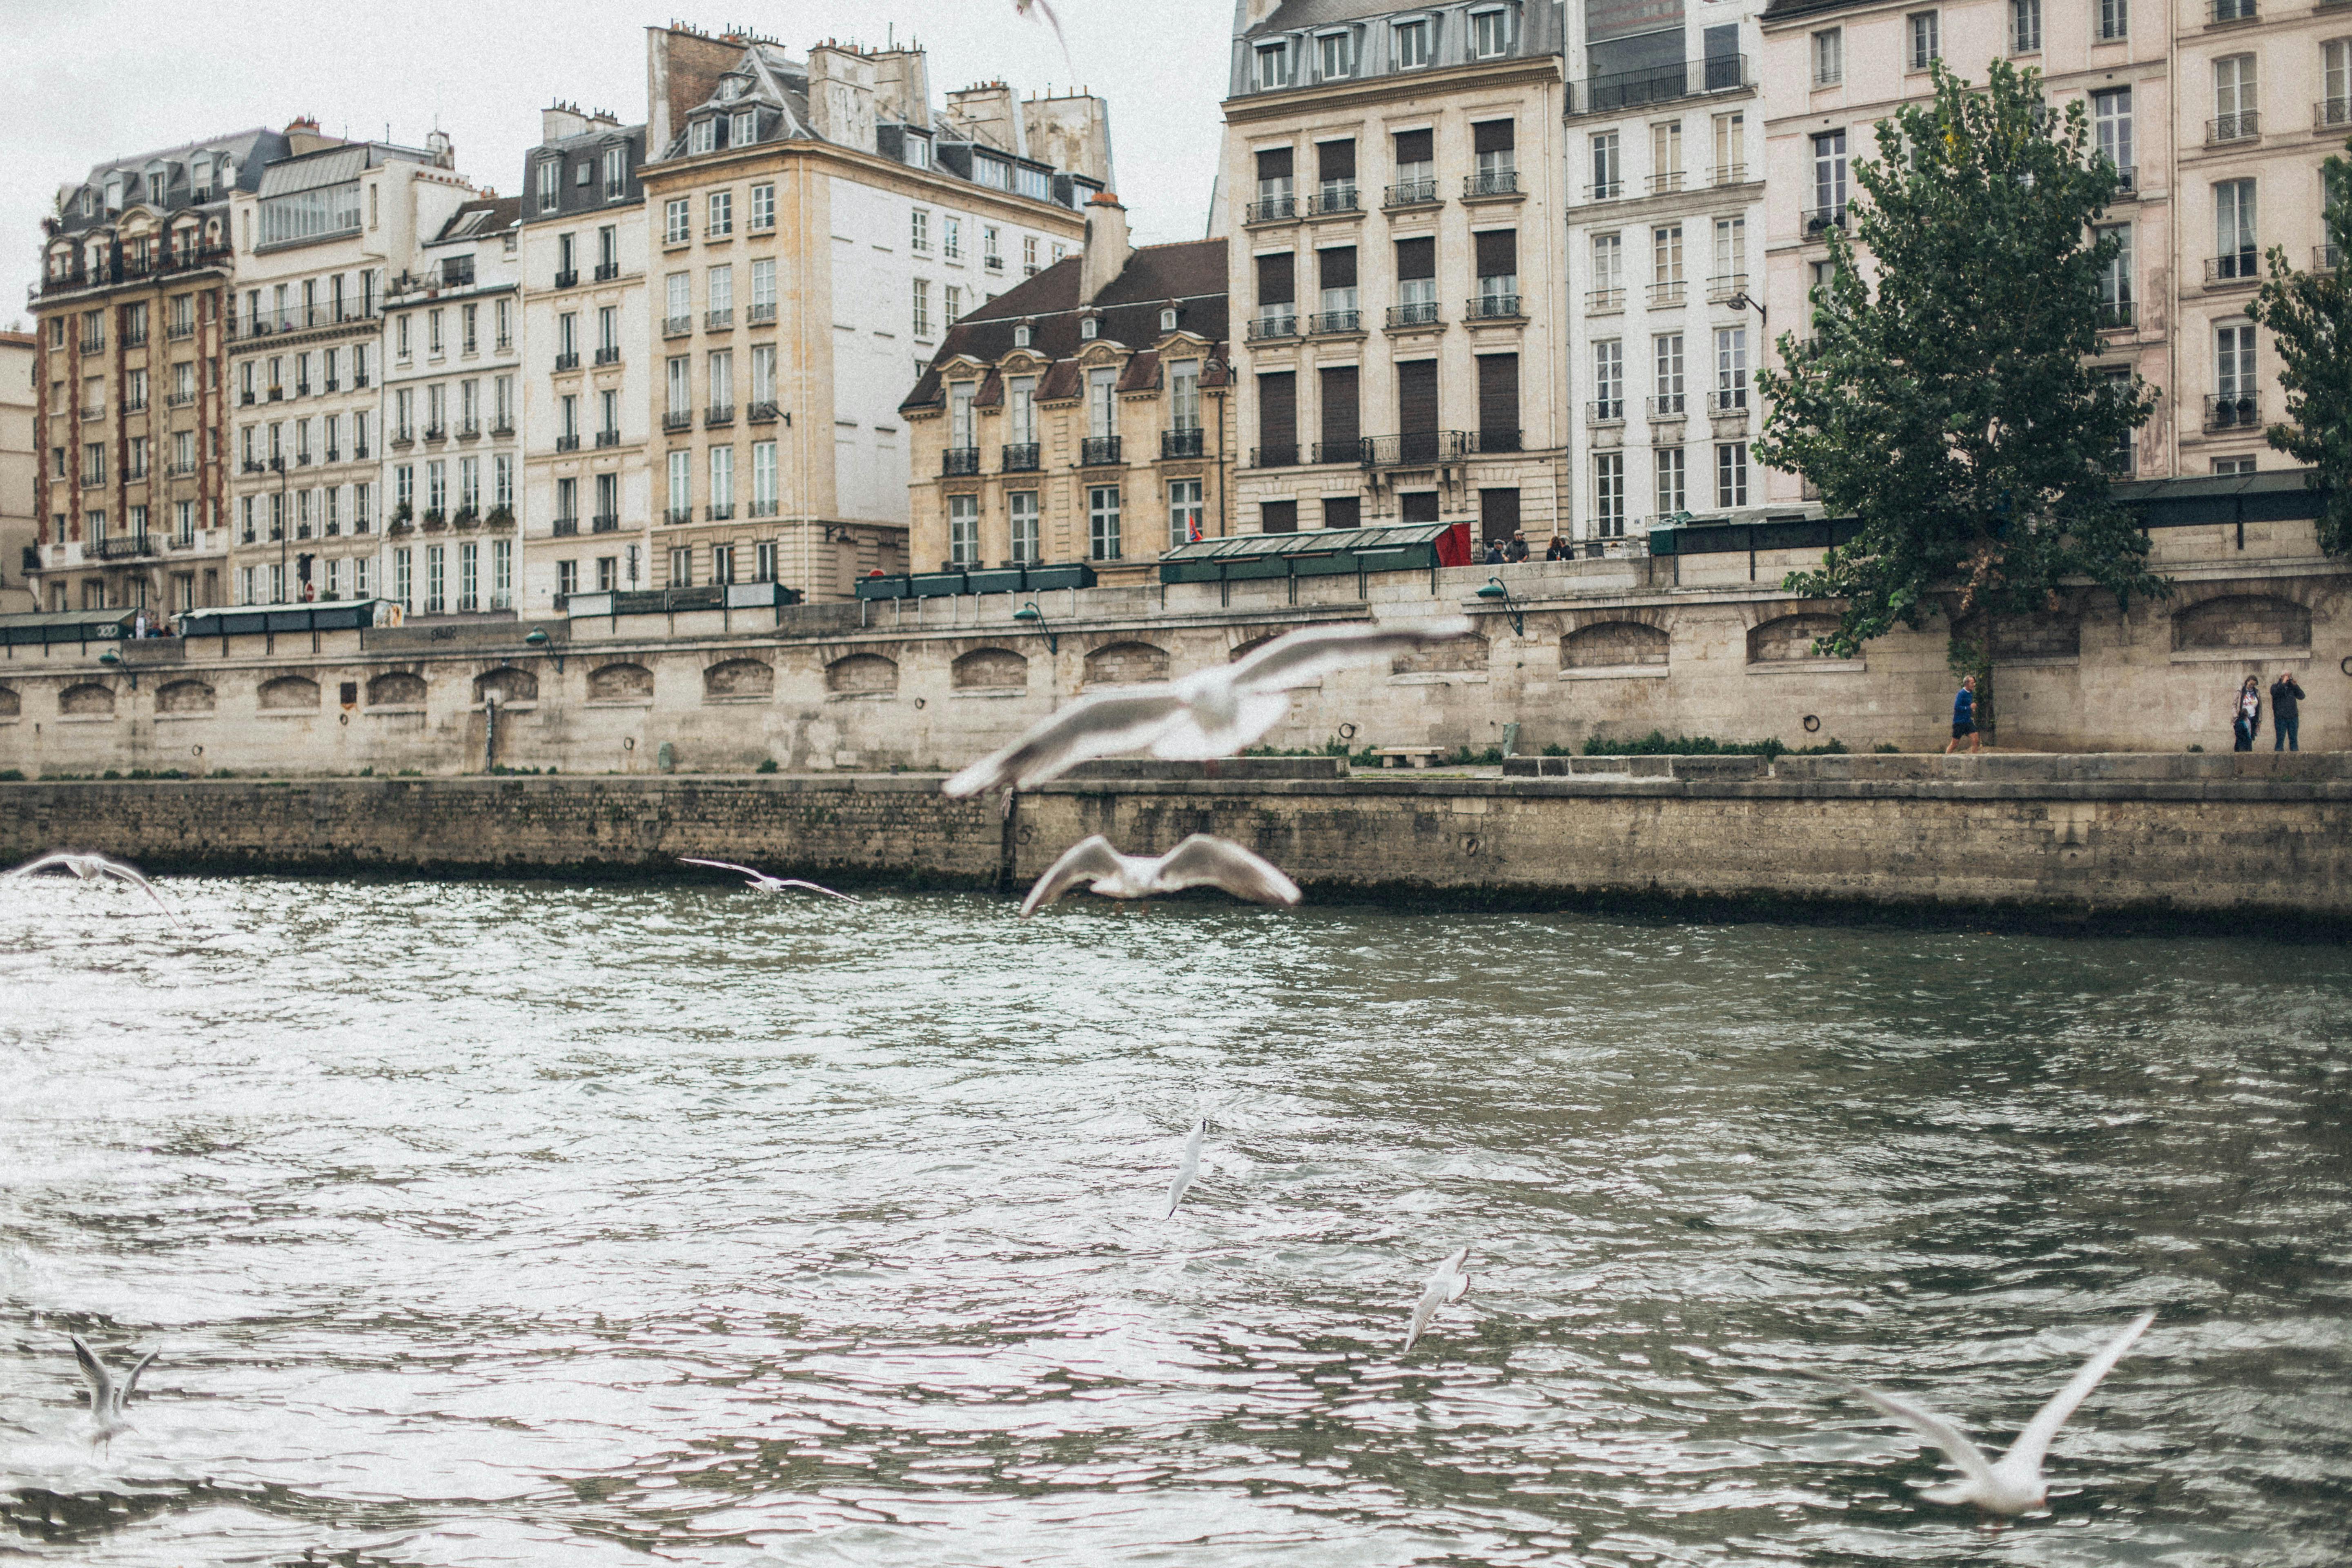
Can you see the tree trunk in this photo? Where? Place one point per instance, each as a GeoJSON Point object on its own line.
{"type": "Point", "coordinates": [1985, 709]}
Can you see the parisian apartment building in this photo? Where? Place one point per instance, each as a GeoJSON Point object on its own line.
{"type": "Point", "coordinates": [1394, 181]}
{"type": "Point", "coordinates": [1083, 415]}
{"type": "Point", "coordinates": [20, 461]}
{"type": "Point", "coordinates": [2217, 114]}
{"type": "Point", "coordinates": [131, 324]}
{"type": "Point", "coordinates": [1665, 236]}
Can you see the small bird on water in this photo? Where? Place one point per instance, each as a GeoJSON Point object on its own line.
{"type": "Point", "coordinates": [1188, 1169]}
{"type": "Point", "coordinates": [1446, 1285]}
{"type": "Point", "coordinates": [761, 883]}
{"type": "Point", "coordinates": [106, 1396]}
{"type": "Point", "coordinates": [1200, 861]}
{"type": "Point", "coordinates": [91, 867]}
{"type": "Point", "coordinates": [2011, 1485]}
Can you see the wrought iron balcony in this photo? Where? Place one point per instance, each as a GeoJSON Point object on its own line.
{"type": "Point", "coordinates": [719, 414]}
{"type": "Point", "coordinates": [1671, 180]}
{"type": "Point", "coordinates": [2238, 266]}
{"type": "Point", "coordinates": [676, 326]}
{"type": "Point", "coordinates": [1339, 196]}
{"type": "Point", "coordinates": [2243, 126]}
{"type": "Point", "coordinates": [1660, 84]}
{"type": "Point", "coordinates": [608, 438]}
{"type": "Point", "coordinates": [720, 511]}
{"type": "Point", "coordinates": [606, 523]}
{"type": "Point", "coordinates": [566, 362]}
{"type": "Point", "coordinates": [1727, 400]}
{"type": "Point", "coordinates": [1667, 405]}
{"type": "Point", "coordinates": [567, 443]}
{"type": "Point", "coordinates": [1099, 451]}
{"type": "Point", "coordinates": [567, 277]}
{"type": "Point", "coordinates": [1490, 183]}
{"type": "Point", "coordinates": [1605, 411]}
{"type": "Point", "coordinates": [607, 270]}
{"type": "Point", "coordinates": [958, 462]}
{"type": "Point", "coordinates": [760, 316]}
{"type": "Point", "coordinates": [565, 527]}
{"type": "Point", "coordinates": [1328, 321]}
{"type": "Point", "coordinates": [1271, 209]}
{"type": "Point", "coordinates": [2117, 315]}
{"type": "Point", "coordinates": [1818, 218]}
{"type": "Point", "coordinates": [1724, 286]}
{"type": "Point", "coordinates": [1421, 193]}
{"type": "Point", "coordinates": [1471, 443]}
{"type": "Point", "coordinates": [2331, 115]}
{"type": "Point", "coordinates": [2234, 411]}
{"type": "Point", "coordinates": [1019, 457]}
{"type": "Point", "coordinates": [1262, 328]}
{"type": "Point", "coordinates": [1414, 449]}
{"type": "Point", "coordinates": [762, 413]}
{"type": "Point", "coordinates": [678, 515]}
{"type": "Point", "coordinates": [1598, 300]}
{"type": "Point", "coordinates": [609, 355]}
{"type": "Point", "coordinates": [1415, 313]}
{"type": "Point", "coordinates": [1279, 456]}
{"type": "Point", "coordinates": [1497, 306]}
{"type": "Point", "coordinates": [678, 420]}
{"type": "Point", "coordinates": [1182, 443]}
{"type": "Point", "coordinates": [767, 508]}
{"type": "Point", "coordinates": [719, 321]}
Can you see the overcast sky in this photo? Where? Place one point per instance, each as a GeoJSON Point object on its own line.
{"type": "Point", "coordinates": [96, 79]}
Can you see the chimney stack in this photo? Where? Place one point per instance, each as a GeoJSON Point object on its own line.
{"type": "Point", "coordinates": [1106, 249]}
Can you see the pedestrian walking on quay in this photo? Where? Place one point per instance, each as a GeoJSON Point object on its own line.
{"type": "Point", "coordinates": [2287, 714]}
{"type": "Point", "coordinates": [2248, 722]}
{"type": "Point", "coordinates": [1964, 718]}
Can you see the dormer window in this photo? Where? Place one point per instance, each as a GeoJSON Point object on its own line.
{"type": "Point", "coordinates": [730, 88]}
{"type": "Point", "coordinates": [1088, 327]}
{"type": "Point", "coordinates": [1273, 66]}
{"type": "Point", "coordinates": [1335, 55]}
{"type": "Point", "coordinates": [1490, 33]}
{"type": "Point", "coordinates": [741, 131]}
{"type": "Point", "coordinates": [919, 151]}
{"type": "Point", "coordinates": [703, 135]}
{"type": "Point", "coordinates": [114, 194]}
{"type": "Point", "coordinates": [1168, 319]}
{"type": "Point", "coordinates": [1021, 336]}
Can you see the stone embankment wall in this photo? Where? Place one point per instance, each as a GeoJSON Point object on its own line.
{"type": "Point", "coordinates": [2226, 840]}
{"type": "Point", "coordinates": [1612, 648]}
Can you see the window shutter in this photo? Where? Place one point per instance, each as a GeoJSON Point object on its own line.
{"type": "Point", "coordinates": [1416, 258]}
{"type": "Point", "coordinates": [1498, 514]}
{"type": "Point", "coordinates": [1337, 267]}
{"type": "Point", "coordinates": [1335, 160]}
{"type": "Point", "coordinates": [1417, 397]}
{"type": "Point", "coordinates": [1273, 164]}
{"type": "Point", "coordinates": [1343, 511]}
{"type": "Point", "coordinates": [1498, 393]}
{"type": "Point", "coordinates": [1418, 506]}
{"type": "Point", "coordinates": [1498, 252]}
{"type": "Point", "coordinates": [1277, 516]}
{"type": "Point", "coordinates": [1277, 410]}
{"type": "Point", "coordinates": [1276, 281]}
{"type": "Point", "coordinates": [1493, 136]}
{"type": "Point", "coordinates": [1341, 423]}
{"type": "Point", "coordinates": [1415, 147]}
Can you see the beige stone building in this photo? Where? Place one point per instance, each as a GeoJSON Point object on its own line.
{"type": "Point", "coordinates": [814, 228]}
{"type": "Point", "coordinates": [1392, 178]}
{"type": "Point", "coordinates": [2217, 112]}
{"type": "Point", "coordinates": [20, 529]}
{"type": "Point", "coordinates": [1085, 415]}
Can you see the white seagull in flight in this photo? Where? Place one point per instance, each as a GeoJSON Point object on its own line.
{"type": "Point", "coordinates": [761, 883]}
{"type": "Point", "coordinates": [1188, 1168]}
{"type": "Point", "coordinates": [2012, 1484]}
{"type": "Point", "coordinates": [90, 868]}
{"type": "Point", "coordinates": [1201, 862]}
{"type": "Point", "coordinates": [1209, 713]}
{"type": "Point", "coordinates": [1446, 1285]}
{"type": "Point", "coordinates": [106, 1396]}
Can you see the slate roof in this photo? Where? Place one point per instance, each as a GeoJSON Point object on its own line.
{"type": "Point", "coordinates": [1292, 15]}
{"type": "Point", "coordinates": [253, 151]}
{"type": "Point", "coordinates": [480, 219]}
{"type": "Point", "coordinates": [1190, 273]}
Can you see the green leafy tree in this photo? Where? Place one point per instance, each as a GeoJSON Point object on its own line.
{"type": "Point", "coordinates": [1945, 400]}
{"type": "Point", "coordinates": [2309, 315]}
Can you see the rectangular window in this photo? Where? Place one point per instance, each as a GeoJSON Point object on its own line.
{"type": "Point", "coordinates": [1666, 260]}
{"type": "Point", "coordinates": [1666, 155]}
{"type": "Point", "coordinates": [919, 237]}
{"type": "Point", "coordinates": [2234, 102]}
{"type": "Point", "coordinates": [1022, 507]}
{"type": "Point", "coordinates": [2111, 121]}
{"type": "Point", "coordinates": [1184, 395]}
{"type": "Point", "coordinates": [679, 297]}
{"type": "Point", "coordinates": [1273, 66]}
{"type": "Point", "coordinates": [1609, 495]}
{"type": "Point", "coordinates": [720, 294]}
{"type": "Point", "coordinates": [722, 481]}
{"type": "Point", "coordinates": [763, 375]}
{"type": "Point", "coordinates": [1409, 45]}
{"type": "Point", "coordinates": [1730, 369]}
{"type": "Point", "coordinates": [1335, 55]}
{"type": "Point", "coordinates": [992, 248]}
{"type": "Point", "coordinates": [720, 374]}
{"type": "Point", "coordinates": [1926, 46]}
{"type": "Point", "coordinates": [436, 562]}
{"type": "Point", "coordinates": [681, 486]}
{"type": "Point", "coordinates": [567, 578]}
{"type": "Point", "coordinates": [2233, 362]}
{"type": "Point", "coordinates": [550, 183]}
{"type": "Point", "coordinates": [950, 305]}
{"type": "Point", "coordinates": [722, 564]}
{"type": "Point", "coordinates": [764, 479]}
{"type": "Point", "coordinates": [1102, 406]}
{"type": "Point", "coordinates": [763, 209]}
{"type": "Point", "coordinates": [1021, 411]}
{"type": "Point", "coordinates": [1609, 379]}
{"type": "Point", "coordinates": [1829, 182]}
{"type": "Point", "coordinates": [469, 572]}
{"type": "Point", "coordinates": [1828, 57]}
{"type": "Point", "coordinates": [1667, 358]}
{"type": "Point", "coordinates": [1608, 272]}
{"type": "Point", "coordinates": [1731, 474]}
{"type": "Point", "coordinates": [1607, 168]}
{"type": "Point", "coordinates": [1183, 512]}
{"type": "Point", "coordinates": [2116, 297]}
{"type": "Point", "coordinates": [2234, 251]}
{"type": "Point", "coordinates": [681, 566]}
{"type": "Point", "coordinates": [404, 578]}
{"type": "Point", "coordinates": [2024, 27]}
{"type": "Point", "coordinates": [1673, 493]}
{"type": "Point", "coordinates": [1490, 33]}
{"type": "Point", "coordinates": [963, 531]}
{"type": "Point", "coordinates": [922, 308]}
{"type": "Point", "coordinates": [2336, 83]}
{"type": "Point", "coordinates": [952, 239]}
{"type": "Point", "coordinates": [678, 221]}
{"type": "Point", "coordinates": [1028, 256]}
{"type": "Point", "coordinates": [1102, 522]}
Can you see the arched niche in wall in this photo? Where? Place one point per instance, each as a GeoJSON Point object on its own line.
{"type": "Point", "coordinates": [861, 675]}
{"type": "Point", "coordinates": [11, 705]}
{"type": "Point", "coordinates": [1455, 656]}
{"type": "Point", "coordinates": [184, 696]}
{"type": "Point", "coordinates": [1788, 639]}
{"type": "Point", "coordinates": [1126, 664]}
{"type": "Point", "coordinates": [2258, 623]}
{"type": "Point", "coordinates": [990, 669]}
{"type": "Point", "coordinates": [508, 684]}
{"type": "Point", "coordinates": [1609, 644]}
{"type": "Point", "coordinates": [739, 680]}
{"type": "Point", "coordinates": [88, 700]}
{"type": "Point", "coordinates": [396, 689]}
{"type": "Point", "coordinates": [621, 683]}
{"type": "Point", "coordinates": [288, 694]}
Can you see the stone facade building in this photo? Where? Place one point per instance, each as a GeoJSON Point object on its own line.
{"type": "Point", "coordinates": [1392, 178]}
{"type": "Point", "coordinates": [131, 323]}
{"type": "Point", "coordinates": [818, 227]}
{"type": "Point", "coordinates": [2202, 106]}
{"type": "Point", "coordinates": [1085, 415]}
{"type": "Point", "coordinates": [588, 380]}
{"type": "Point", "coordinates": [20, 530]}
{"type": "Point", "coordinates": [1665, 145]}
{"type": "Point", "coordinates": [314, 427]}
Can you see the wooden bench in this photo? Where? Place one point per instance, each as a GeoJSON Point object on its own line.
{"type": "Point", "coordinates": [1403, 756]}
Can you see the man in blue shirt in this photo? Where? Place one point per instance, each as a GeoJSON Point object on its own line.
{"type": "Point", "coordinates": [1964, 718]}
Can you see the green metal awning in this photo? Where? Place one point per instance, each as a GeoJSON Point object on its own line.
{"type": "Point", "coordinates": [49, 627]}
{"type": "Point", "coordinates": [1314, 552]}
{"type": "Point", "coordinates": [322, 615]}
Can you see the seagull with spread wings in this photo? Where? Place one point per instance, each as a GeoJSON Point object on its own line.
{"type": "Point", "coordinates": [761, 883]}
{"type": "Point", "coordinates": [90, 868]}
{"type": "Point", "coordinates": [1201, 862]}
{"type": "Point", "coordinates": [1448, 1284]}
{"type": "Point", "coordinates": [1209, 713]}
{"type": "Point", "coordinates": [1188, 1169]}
{"type": "Point", "coordinates": [106, 1397]}
{"type": "Point", "coordinates": [2012, 1484]}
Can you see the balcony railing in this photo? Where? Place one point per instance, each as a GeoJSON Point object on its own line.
{"type": "Point", "coordinates": [1327, 322]}
{"type": "Point", "coordinates": [179, 330]}
{"type": "Point", "coordinates": [1604, 191]}
{"type": "Point", "coordinates": [1726, 286]}
{"type": "Point", "coordinates": [1181, 443]}
{"type": "Point", "coordinates": [437, 433]}
{"type": "Point", "coordinates": [767, 508]}
{"type": "Point", "coordinates": [608, 438]}
{"type": "Point", "coordinates": [1271, 209]}
{"type": "Point", "coordinates": [1263, 328]}
{"type": "Point", "coordinates": [404, 438]}
{"type": "Point", "coordinates": [678, 515]}
{"type": "Point", "coordinates": [2233, 10]}
{"type": "Point", "coordinates": [1672, 180]}
{"type": "Point", "coordinates": [1726, 401]}
{"type": "Point", "coordinates": [1605, 411]}
{"type": "Point", "coordinates": [567, 443]}
{"type": "Point", "coordinates": [607, 270]}
{"type": "Point", "coordinates": [609, 355]}
{"type": "Point", "coordinates": [2234, 411]}
{"type": "Point", "coordinates": [1597, 301]}
{"type": "Point", "coordinates": [761, 412]}
{"type": "Point", "coordinates": [1492, 307]}
{"type": "Point", "coordinates": [2331, 113]}
{"type": "Point", "coordinates": [2243, 126]}
{"type": "Point", "coordinates": [1415, 313]}
{"type": "Point", "coordinates": [1471, 443]}
{"type": "Point", "coordinates": [719, 321]}
{"type": "Point", "coordinates": [1337, 197]}
{"type": "Point", "coordinates": [1347, 451]}
{"type": "Point", "coordinates": [1668, 405]}
{"type": "Point", "coordinates": [566, 362]}
{"type": "Point", "coordinates": [1728, 174]}
{"type": "Point", "coordinates": [719, 414]}
{"type": "Point", "coordinates": [1019, 457]}
{"type": "Point", "coordinates": [469, 430]}
{"type": "Point", "coordinates": [1660, 84]}
{"type": "Point", "coordinates": [760, 315]}
{"type": "Point", "coordinates": [2327, 259]}
{"type": "Point", "coordinates": [1818, 218]}
{"type": "Point", "coordinates": [1666, 293]}
{"type": "Point", "coordinates": [502, 425]}
{"type": "Point", "coordinates": [1490, 183]}
{"type": "Point", "coordinates": [2126, 180]}
{"type": "Point", "coordinates": [2117, 315]}
{"type": "Point", "coordinates": [1099, 451]}
{"type": "Point", "coordinates": [179, 399]}
{"type": "Point", "coordinates": [565, 527]}
{"type": "Point", "coordinates": [719, 512]}
{"type": "Point", "coordinates": [1279, 456]}
{"type": "Point", "coordinates": [1420, 193]}
{"type": "Point", "coordinates": [1414, 448]}
{"type": "Point", "coordinates": [2239, 267]}
{"type": "Point", "coordinates": [606, 523]}
{"type": "Point", "coordinates": [957, 462]}
{"type": "Point", "coordinates": [676, 326]}
{"type": "Point", "coordinates": [677, 419]}
{"type": "Point", "coordinates": [567, 277]}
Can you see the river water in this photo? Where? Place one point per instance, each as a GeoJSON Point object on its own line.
{"type": "Point", "coordinates": [495, 1223]}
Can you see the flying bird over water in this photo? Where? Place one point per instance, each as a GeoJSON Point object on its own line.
{"type": "Point", "coordinates": [106, 1397]}
{"type": "Point", "coordinates": [1201, 862]}
{"type": "Point", "coordinates": [1188, 1168]}
{"type": "Point", "coordinates": [90, 868]}
{"type": "Point", "coordinates": [761, 883]}
{"type": "Point", "coordinates": [1209, 713]}
{"type": "Point", "coordinates": [1446, 1285]}
{"type": "Point", "coordinates": [2014, 1484]}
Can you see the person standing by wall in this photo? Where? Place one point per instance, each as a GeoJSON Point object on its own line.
{"type": "Point", "coordinates": [1964, 718]}
{"type": "Point", "coordinates": [2287, 714]}
{"type": "Point", "coordinates": [2248, 720]}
